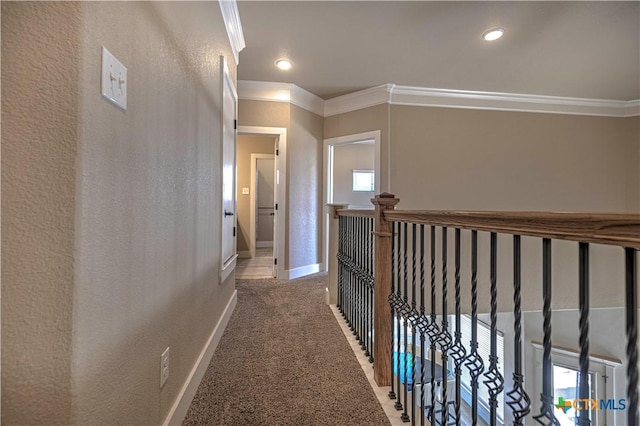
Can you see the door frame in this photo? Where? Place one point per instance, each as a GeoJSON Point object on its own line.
{"type": "Point", "coordinates": [253, 188]}
{"type": "Point", "coordinates": [329, 145]}
{"type": "Point", "coordinates": [279, 241]}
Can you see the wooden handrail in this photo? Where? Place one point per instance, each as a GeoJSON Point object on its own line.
{"type": "Point", "coordinates": [355, 212]}
{"type": "Point", "coordinates": [602, 228]}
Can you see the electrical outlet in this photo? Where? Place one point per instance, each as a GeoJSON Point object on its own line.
{"type": "Point", "coordinates": [164, 367]}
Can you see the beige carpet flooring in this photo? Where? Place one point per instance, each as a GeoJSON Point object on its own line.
{"type": "Point", "coordinates": [283, 360]}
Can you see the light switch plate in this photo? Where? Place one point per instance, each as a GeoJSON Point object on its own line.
{"type": "Point", "coordinates": [114, 80]}
{"type": "Point", "coordinates": [164, 367]}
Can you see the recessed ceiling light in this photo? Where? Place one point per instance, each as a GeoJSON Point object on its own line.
{"type": "Point", "coordinates": [493, 34]}
{"type": "Point", "coordinates": [284, 64]}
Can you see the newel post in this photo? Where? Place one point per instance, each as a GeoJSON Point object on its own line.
{"type": "Point", "coordinates": [332, 264]}
{"type": "Point", "coordinates": [382, 286]}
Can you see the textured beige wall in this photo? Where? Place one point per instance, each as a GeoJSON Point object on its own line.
{"type": "Point", "coordinates": [484, 160]}
{"type": "Point", "coordinates": [148, 238]}
{"type": "Point", "coordinates": [457, 159]}
{"type": "Point", "coordinates": [111, 216]}
{"type": "Point", "coordinates": [360, 121]}
{"type": "Point", "coordinates": [247, 145]}
{"type": "Point", "coordinates": [347, 158]}
{"type": "Point", "coordinates": [40, 52]}
{"type": "Point", "coordinates": [263, 114]}
{"type": "Point", "coordinates": [305, 188]}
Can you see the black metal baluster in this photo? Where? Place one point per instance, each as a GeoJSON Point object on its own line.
{"type": "Point", "coordinates": [631, 280]}
{"type": "Point", "coordinates": [359, 281]}
{"type": "Point", "coordinates": [474, 361]}
{"type": "Point", "coordinates": [583, 300]}
{"type": "Point", "coordinates": [348, 270]}
{"type": "Point", "coordinates": [360, 300]}
{"type": "Point", "coordinates": [414, 318]}
{"type": "Point", "coordinates": [458, 352]}
{"type": "Point", "coordinates": [369, 257]}
{"type": "Point", "coordinates": [405, 415]}
{"type": "Point", "coordinates": [433, 330]}
{"type": "Point", "coordinates": [352, 284]}
{"type": "Point", "coordinates": [354, 277]}
{"type": "Point", "coordinates": [340, 260]}
{"type": "Point", "coordinates": [398, 404]}
{"type": "Point", "coordinates": [369, 287]}
{"type": "Point", "coordinates": [546, 416]}
{"type": "Point", "coordinates": [495, 381]}
{"type": "Point", "coordinates": [423, 328]}
{"type": "Point", "coordinates": [445, 336]}
{"type": "Point", "coordinates": [518, 399]}
{"type": "Point", "coordinates": [345, 254]}
{"type": "Point", "coordinates": [363, 286]}
{"type": "Point", "coordinates": [392, 394]}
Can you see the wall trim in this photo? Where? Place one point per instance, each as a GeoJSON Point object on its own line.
{"type": "Point", "coordinates": [420, 96]}
{"type": "Point", "coordinates": [245, 254]}
{"type": "Point", "coordinates": [280, 92]}
{"type": "Point", "coordinates": [231, 18]}
{"type": "Point", "coordinates": [185, 396]}
{"type": "Point", "coordinates": [228, 267]}
{"type": "Point", "coordinates": [358, 100]}
{"type": "Point", "coordinates": [429, 97]}
{"type": "Point", "coordinates": [302, 271]}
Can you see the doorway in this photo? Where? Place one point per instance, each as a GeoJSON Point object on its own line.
{"type": "Point", "coordinates": [261, 197]}
{"type": "Point", "coordinates": [339, 176]}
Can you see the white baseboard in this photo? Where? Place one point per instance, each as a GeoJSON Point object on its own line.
{"type": "Point", "coordinates": [263, 244]}
{"type": "Point", "coordinates": [183, 401]}
{"type": "Point", "coordinates": [244, 254]}
{"type": "Point", "coordinates": [292, 274]}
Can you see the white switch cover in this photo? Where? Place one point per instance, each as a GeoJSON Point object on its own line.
{"type": "Point", "coordinates": [114, 79]}
{"type": "Point", "coordinates": [245, 191]}
{"type": "Point", "coordinates": [164, 367]}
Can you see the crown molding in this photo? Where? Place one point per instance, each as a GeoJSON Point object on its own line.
{"type": "Point", "coordinates": [632, 109]}
{"type": "Point", "coordinates": [420, 96]}
{"type": "Point", "coordinates": [231, 18]}
{"type": "Point", "coordinates": [280, 92]}
{"type": "Point", "coordinates": [426, 97]}
{"type": "Point", "coordinates": [358, 100]}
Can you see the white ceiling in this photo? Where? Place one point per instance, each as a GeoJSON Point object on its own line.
{"type": "Point", "coordinates": [570, 49]}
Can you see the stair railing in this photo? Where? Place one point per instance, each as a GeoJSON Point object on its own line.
{"type": "Point", "coordinates": [393, 265]}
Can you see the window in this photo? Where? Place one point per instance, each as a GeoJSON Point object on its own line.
{"type": "Point", "coordinates": [484, 349]}
{"type": "Point", "coordinates": [566, 364]}
{"type": "Point", "coordinates": [565, 386]}
{"type": "Point", "coordinates": [363, 180]}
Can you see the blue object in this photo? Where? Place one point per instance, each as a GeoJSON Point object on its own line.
{"type": "Point", "coordinates": [405, 366]}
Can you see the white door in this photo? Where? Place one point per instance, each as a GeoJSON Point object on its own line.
{"type": "Point", "coordinates": [229, 104]}
{"type": "Point", "coordinates": [265, 185]}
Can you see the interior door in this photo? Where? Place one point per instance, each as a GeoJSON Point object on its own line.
{"type": "Point", "coordinates": [229, 105]}
{"type": "Point", "coordinates": [265, 186]}
{"type": "Point", "coordinates": [276, 183]}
